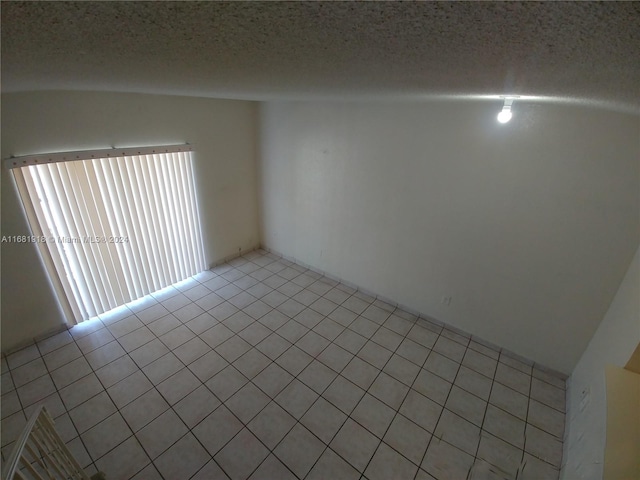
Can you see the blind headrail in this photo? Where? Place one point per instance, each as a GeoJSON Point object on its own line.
{"type": "Point", "coordinates": [26, 160]}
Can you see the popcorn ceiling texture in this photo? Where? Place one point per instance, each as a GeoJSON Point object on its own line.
{"type": "Point", "coordinates": [291, 50]}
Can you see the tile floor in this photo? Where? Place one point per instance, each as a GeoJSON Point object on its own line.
{"type": "Point", "coordinates": [262, 369]}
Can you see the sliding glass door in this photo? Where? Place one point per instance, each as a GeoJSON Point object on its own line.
{"type": "Point", "coordinates": [113, 227]}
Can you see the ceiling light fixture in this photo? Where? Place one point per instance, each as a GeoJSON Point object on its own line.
{"type": "Point", "coordinates": [505, 114]}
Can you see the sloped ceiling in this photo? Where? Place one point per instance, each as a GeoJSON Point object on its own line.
{"type": "Point", "coordinates": [290, 50]}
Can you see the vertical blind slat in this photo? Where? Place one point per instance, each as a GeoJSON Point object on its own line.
{"type": "Point", "coordinates": [86, 227]}
{"type": "Point", "coordinates": [65, 226]}
{"type": "Point", "coordinates": [169, 211]}
{"type": "Point", "coordinates": [183, 213]}
{"type": "Point", "coordinates": [106, 251]}
{"type": "Point", "coordinates": [38, 209]}
{"type": "Point", "coordinates": [195, 214]}
{"type": "Point", "coordinates": [113, 196]}
{"type": "Point", "coordinates": [165, 252]}
{"type": "Point", "coordinates": [187, 226]}
{"type": "Point", "coordinates": [133, 227]}
{"type": "Point", "coordinates": [102, 199]}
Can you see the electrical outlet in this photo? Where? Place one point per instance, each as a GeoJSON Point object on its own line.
{"type": "Point", "coordinates": [584, 401]}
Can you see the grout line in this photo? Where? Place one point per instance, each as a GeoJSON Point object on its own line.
{"type": "Point", "coordinates": [433, 434]}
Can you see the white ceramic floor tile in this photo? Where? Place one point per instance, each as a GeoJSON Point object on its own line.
{"type": "Point", "coordinates": [69, 373]}
{"type": "Point", "coordinates": [271, 424]}
{"type": "Point", "coordinates": [412, 351]}
{"type": "Point", "coordinates": [444, 461]}
{"type": "Point", "coordinates": [201, 323]}
{"type": "Point", "coordinates": [546, 418]}
{"type": "Point", "coordinates": [164, 325]}
{"type": "Point", "coordinates": [402, 369]}
{"type": "Point", "coordinates": [373, 415]}
{"type": "Point", "coordinates": [61, 356]}
{"type": "Point", "coordinates": [247, 402]}
{"type": "Point", "coordinates": [499, 453]}
{"type": "Point", "coordinates": [92, 412]}
{"type": "Point", "coordinates": [94, 340]}
{"type": "Point", "coordinates": [106, 435]}
{"type": "Point", "coordinates": [227, 382]}
{"type": "Point", "coordinates": [208, 365]}
{"type": "Point", "coordinates": [512, 378]}
{"type": "Point", "coordinates": [216, 335]}
{"type": "Point", "coordinates": [129, 389]}
{"type": "Point", "coordinates": [162, 368]}
{"type": "Point", "coordinates": [335, 357]}
{"type": "Point", "coordinates": [294, 360]}
{"type": "Point", "coordinates": [254, 333]}
{"type": "Point", "coordinates": [273, 379]}
{"type": "Point", "coordinates": [183, 459]}
{"type": "Point", "coordinates": [299, 450]}
{"type": "Point", "coordinates": [360, 372]}
{"type": "Point", "coordinates": [407, 438]}
{"type": "Point", "coordinates": [238, 321]}
{"type": "Point", "coordinates": [458, 432]}
{"type": "Point", "coordinates": [125, 460]}
{"type": "Point", "coordinates": [473, 382]}
{"type": "Point", "coordinates": [233, 349]}
{"type": "Point", "coordinates": [323, 419]}
{"type": "Point", "coordinates": [467, 405]}
{"type": "Point", "coordinates": [161, 433]}
{"type": "Point", "coordinates": [79, 391]}
{"type": "Point", "coordinates": [144, 409]}
{"type": "Point", "coordinates": [389, 390]}
{"type": "Point", "coordinates": [191, 350]}
{"type": "Point", "coordinates": [343, 394]}
{"type": "Point", "coordinates": [242, 455]}
{"type": "Point", "coordinates": [331, 465]}
{"type": "Point", "coordinates": [211, 471]}
{"type": "Point", "coordinates": [105, 354]}
{"type": "Point", "coordinates": [136, 339]}
{"type": "Point", "coordinates": [312, 344]}
{"type": "Point", "coordinates": [421, 410]}
{"type": "Point", "coordinates": [387, 463]}
{"type": "Point", "coordinates": [547, 394]}
{"type": "Point", "coordinates": [504, 426]}
{"type": "Point", "coordinates": [296, 398]}
{"type": "Point", "coordinates": [543, 445]}
{"type": "Point", "coordinates": [54, 342]}
{"type": "Point", "coordinates": [178, 386]}
{"type": "Point", "coordinates": [272, 468]}
{"type": "Point", "coordinates": [217, 429]}
{"type": "Point", "coordinates": [28, 372]}
{"type": "Point", "coordinates": [422, 335]}
{"type": "Point", "coordinates": [274, 320]}
{"type": "Point", "coordinates": [442, 366]}
{"type": "Point", "coordinates": [355, 444]}
{"type": "Point", "coordinates": [509, 400]}
{"type": "Point", "coordinates": [317, 376]}
{"type": "Point", "coordinates": [196, 406]}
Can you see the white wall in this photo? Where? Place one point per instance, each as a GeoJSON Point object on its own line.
{"type": "Point", "coordinates": [224, 135]}
{"type": "Point", "coordinates": [613, 344]}
{"type": "Point", "coordinates": [529, 226]}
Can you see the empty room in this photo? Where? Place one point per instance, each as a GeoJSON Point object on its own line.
{"type": "Point", "coordinates": [320, 240]}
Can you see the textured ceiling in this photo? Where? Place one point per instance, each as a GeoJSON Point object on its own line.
{"type": "Point", "coordinates": [291, 50]}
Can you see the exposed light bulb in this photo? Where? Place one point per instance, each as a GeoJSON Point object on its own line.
{"type": "Point", "coordinates": [505, 115]}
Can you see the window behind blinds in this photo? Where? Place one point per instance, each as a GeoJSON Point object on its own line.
{"type": "Point", "coordinates": [115, 228]}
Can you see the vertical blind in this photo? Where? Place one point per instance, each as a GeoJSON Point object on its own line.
{"type": "Point", "coordinates": [115, 228]}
